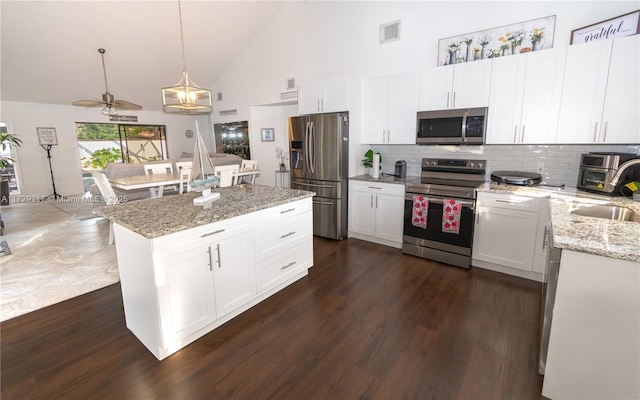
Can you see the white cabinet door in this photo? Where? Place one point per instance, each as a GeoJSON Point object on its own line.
{"type": "Point", "coordinates": [187, 289]}
{"type": "Point", "coordinates": [436, 85]}
{"type": "Point", "coordinates": [361, 213]}
{"type": "Point", "coordinates": [620, 117]}
{"type": "Point", "coordinates": [542, 94]}
{"type": "Point", "coordinates": [404, 94]}
{"type": "Point", "coordinates": [525, 97]}
{"type": "Point", "coordinates": [505, 100]}
{"type": "Point", "coordinates": [584, 85]}
{"type": "Point", "coordinates": [375, 100]}
{"type": "Point", "coordinates": [505, 237]}
{"type": "Point", "coordinates": [327, 95]}
{"type": "Point", "coordinates": [389, 217]}
{"type": "Point", "coordinates": [471, 83]}
{"type": "Point", "coordinates": [233, 267]}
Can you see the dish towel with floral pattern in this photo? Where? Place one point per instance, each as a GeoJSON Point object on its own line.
{"type": "Point", "coordinates": [419, 212]}
{"type": "Point", "coordinates": [451, 216]}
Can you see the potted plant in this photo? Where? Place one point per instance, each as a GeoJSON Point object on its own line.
{"type": "Point", "coordinates": [367, 161]}
{"type": "Point", "coordinates": [7, 141]}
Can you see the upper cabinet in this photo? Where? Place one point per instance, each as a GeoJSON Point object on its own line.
{"type": "Point", "coordinates": [524, 99]}
{"type": "Point", "coordinates": [327, 95]}
{"type": "Point", "coordinates": [455, 86]}
{"type": "Point", "coordinates": [390, 105]}
{"type": "Point", "coordinates": [600, 94]}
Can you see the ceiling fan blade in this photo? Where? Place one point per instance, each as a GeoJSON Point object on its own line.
{"type": "Point", "coordinates": [126, 105]}
{"type": "Point", "coordinates": [87, 103]}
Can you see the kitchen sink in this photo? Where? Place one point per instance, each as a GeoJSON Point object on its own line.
{"type": "Point", "coordinates": [611, 212]}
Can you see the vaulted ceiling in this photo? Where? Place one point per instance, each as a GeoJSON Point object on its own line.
{"type": "Point", "coordinates": [49, 49]}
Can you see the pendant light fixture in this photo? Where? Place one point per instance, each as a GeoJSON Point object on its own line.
{"type": "Point", "coordinates": [185, 97]}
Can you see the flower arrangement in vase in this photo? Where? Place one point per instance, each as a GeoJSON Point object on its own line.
{"type": "Point", "coordinates": [536, 39]}
{"type": "Point", "coordinates": [453, 52]}
{"type": "Point", "coordinates": [516, 39]}
{"type": "Point", "coordinates": [283, 156]}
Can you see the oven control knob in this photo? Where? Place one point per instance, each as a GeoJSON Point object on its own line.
{"type": "Point", "coordinates": [480, 164]}
{"type": "Point", "coordinates": [471, 164]}
{"type": "Point", "coordinates": [434, 162]}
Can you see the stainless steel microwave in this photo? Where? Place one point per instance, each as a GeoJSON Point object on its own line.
{"type": "Point", "coordinates": [459, 126]}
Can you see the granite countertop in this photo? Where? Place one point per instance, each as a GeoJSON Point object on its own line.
{"type": "Point", "coordinates": [160, 216]}
{"type": "Point", "coordinates": [615, 239]}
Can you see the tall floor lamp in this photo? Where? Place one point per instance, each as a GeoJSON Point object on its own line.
{"type": "Point", "coordinates": [48, 139]}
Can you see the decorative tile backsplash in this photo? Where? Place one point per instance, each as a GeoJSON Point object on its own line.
{"type": "Point", "coordinates": [558, 164]}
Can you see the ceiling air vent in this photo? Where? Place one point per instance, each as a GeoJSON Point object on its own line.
{"type": "Point", "coordinates": [289, 95]}
{"type": "Point", "coordinates": [219, 96]}
{"type": "Point", "coordinates": [389, 32]}
{"type": "Point", "coordinates": [232, 111]}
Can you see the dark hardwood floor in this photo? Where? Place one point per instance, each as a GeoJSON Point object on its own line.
{"type": "Point", "coordinates": [367, 323]}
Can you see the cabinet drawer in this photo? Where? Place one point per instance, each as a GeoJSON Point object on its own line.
{"type": "Point", "coordinates": [278, 269]}
{"type": "Point", "coordinates": [201, 235]}
{"type": "Point", "coordinates": [287, 210]}
{"type": "Point", "coordinates": [508, 201]}
{"type": "Point", "coordinates": [279, 236]}
{"type": "Point", "coordinates": [377, 187]}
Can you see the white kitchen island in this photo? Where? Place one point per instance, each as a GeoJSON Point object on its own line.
{"type": "Point", "coordinates": [185, 269]}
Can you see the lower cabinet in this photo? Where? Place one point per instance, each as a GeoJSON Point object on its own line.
{"type": "Point", "coordinates": [509, 234]}
{"type": "Point", "coordinates": [376, 212]}
{"type": "Point", "coordinates": [178, 287]}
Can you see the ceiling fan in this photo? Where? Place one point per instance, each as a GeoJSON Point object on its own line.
{"type": "Point", "coordinates": [111, 106]}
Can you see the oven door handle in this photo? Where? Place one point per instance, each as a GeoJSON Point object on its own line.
{"type": "Point", "coordinates": [465, 203]}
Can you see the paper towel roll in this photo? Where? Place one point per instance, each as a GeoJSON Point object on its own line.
{"type": "Point", "coordinates": [376, 165]}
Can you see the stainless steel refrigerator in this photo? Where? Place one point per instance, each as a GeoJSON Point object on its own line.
{"type": "Point", "coordinates": [320, 163]}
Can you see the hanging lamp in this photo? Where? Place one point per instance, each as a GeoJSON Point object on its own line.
{"type": "Point", "coordinates": [185, 97]}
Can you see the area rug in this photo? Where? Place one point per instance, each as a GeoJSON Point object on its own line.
{"type": "Point", "coordinates": [81, 208]}
{"type": "Point", "coordinates": [4, 248]}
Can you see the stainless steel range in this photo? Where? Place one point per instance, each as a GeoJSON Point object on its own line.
{"type": "Point", "coordinates": [441, 181]}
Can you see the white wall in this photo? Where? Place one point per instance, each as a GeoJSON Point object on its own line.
{"type": "Point", "coordinates": [275, 117]}
{"type": "Point", "coordinates": [33, 168]}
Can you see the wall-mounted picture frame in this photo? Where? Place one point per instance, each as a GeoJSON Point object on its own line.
{"type": "Point", "coordinates": [267, 134]}
{"type": "Point", "coordinates": [623, 25]}
{"type": "Point", "coordinates": [522, 37]}
{"type": "Point", "coordinates": [47, 136]}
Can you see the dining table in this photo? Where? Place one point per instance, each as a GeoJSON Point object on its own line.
{"type": "Point", "coordinates": [156, 182]}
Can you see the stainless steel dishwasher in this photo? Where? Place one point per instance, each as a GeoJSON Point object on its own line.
{"type": "Point", "coordinates": [549, 285]}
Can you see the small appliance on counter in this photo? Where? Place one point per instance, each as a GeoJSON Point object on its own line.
{"type": "Point", "coordinates": [598, 169]}
{"type": "Point", "coordinates": [401, 169]}
{"type": "Point", "coordinates": [516, 178]}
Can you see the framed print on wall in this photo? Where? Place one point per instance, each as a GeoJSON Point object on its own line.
{"type": "Point", "coordinates": [267, 134]}
{"type": "Point", "coordinates": [624, 25]}
{"type": "Point", "coordinates": [47, 136]}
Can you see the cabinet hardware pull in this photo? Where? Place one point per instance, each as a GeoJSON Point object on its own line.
{"type": "Point", "coordinates": [212, 233]}
{"type": "Point", "coordinates": [374, 187]}
{"type": "Point", "coordinates": [507, 201]}
{"type": "Point", "coordinates": [454, 100]}
{"type": "Point", "coordinates": [604, 136]}
{"type": "Point", "coordinates": [287, 234]}
{"type": "Point", "coordinates": [595, 131]}
{"type": "Point", "coordinates": [448, 99]}
{"type": "Point", "coordinates": [376, 202]}
{"type": "Point", "coordinates": [286, 211]}
{"type": "Point", "coordinates": [318, 107]}
{"type": "Point", "coordinates": [371, 205]}
{"type": "Point", "coordinates": [219, 260]}
{"type": "Point", "coordinates": [288, 265]}
{"type": "Point", "coordinates": [515, 132]}
{"type": "Point", "coordinates": [522, 137]}
{"type": "Point", "coordinates": [209, 251]}
{"type": "Point", "coordinates": [545, 237]}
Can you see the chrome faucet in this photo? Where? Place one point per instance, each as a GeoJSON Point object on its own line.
{"type": "Point", "coordinates": [621, 169]}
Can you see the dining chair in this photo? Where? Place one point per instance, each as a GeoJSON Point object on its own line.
{"type": "Point", "coordinates": [108, 194]}
{"type": "Point", "coordinates": [228, 174]}
{"type": "Point", "coordinates": [184, 168]}
{"type": "Point", "coordinates": [159, 168]}
{"type": "Point", "coordinates": [248, 165]}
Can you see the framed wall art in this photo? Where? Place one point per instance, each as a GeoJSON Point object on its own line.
{"type": "Point", "coordinates": [624, 25]}
{"type": "Point", "coordinates": [267, 134]}
{"type": "Point", "coordinates": [47, 136]}
{"type": "Point", "coordinates": [522, 37]}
